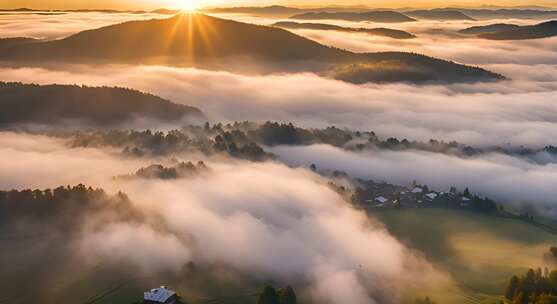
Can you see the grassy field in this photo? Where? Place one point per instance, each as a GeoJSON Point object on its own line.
{"type": "Point", "coordinates": [480, 252]}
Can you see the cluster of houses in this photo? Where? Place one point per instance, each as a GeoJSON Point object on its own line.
{"type": "Point", "coordinates": [372, 194]}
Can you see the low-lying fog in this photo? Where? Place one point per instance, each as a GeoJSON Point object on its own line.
{"type": "Point", "coordinates": [285, 223]}
{"type": "Point", "coordinates": [519, 111]}
{"type": "Point", "coordinates": [266, 220]}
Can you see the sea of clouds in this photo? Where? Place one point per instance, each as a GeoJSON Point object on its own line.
{"type": "Point", "coordinates": [285, 223]}
{"type": "Point", "coordinates": [266, 220]}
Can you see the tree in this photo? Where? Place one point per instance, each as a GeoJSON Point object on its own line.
{"type": "Point", "coordinates": [287, 295]}
{"type": "Point", "coordinates": [268, 296]}
{"type": "Point", "coordinates": [511, 288]}
{"type": "Point", "coordinates": [466, 192]}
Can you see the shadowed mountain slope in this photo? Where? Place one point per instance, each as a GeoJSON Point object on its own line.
{"type": "Point", "coordinates": [185, 36]}
{"type": "Point", "coordinates": [438, 14]}
{"type": "Point", "coordinates": [386, 32]}
{"type": "Point", "coordinates": [372, 16]}
{"type": "Point", "coordinates": [52, 104]}
{"type": "Point", "coordinates": [207, 42]}
{"type": "Point", "coordinates": [506, 13]}
{"type": "Point", "coordinates": [492, 28]}
{"type": "Point", "coordinates": [11, 42]}
{"type": "Point", "coordinates": [542, 30]}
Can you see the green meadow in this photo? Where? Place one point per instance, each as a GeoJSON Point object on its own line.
{"type": "Point", "coordinates": [480, 252]}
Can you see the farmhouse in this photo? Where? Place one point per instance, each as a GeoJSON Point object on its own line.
{"type": "Point", "coordinates": [160, 295]}
{"type": "Point", "coordinates": [417, 190]}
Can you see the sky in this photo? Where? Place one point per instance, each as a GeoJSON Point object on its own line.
{"type": "Point", "coordinates": [152, 4]}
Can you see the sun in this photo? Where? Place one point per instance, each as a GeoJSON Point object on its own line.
{"type": "Point", "coordinates": [188, 5]}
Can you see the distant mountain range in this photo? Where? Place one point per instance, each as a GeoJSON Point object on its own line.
{"type": "Point", "coordinates": [438, 14]}
{"type": "Point", "coordinates": [96, 106]}
{"type": "Point", "coordinates": [449, 13]}
{"type": "Point", "coordinates": [503, 31]}
{"type": "Point", "coordinates": [385, 32]}
{"type": "Point", "coordinates": [372, 16]}
{"type": "Point", "coordinates": [274, 10]}
{"type": "Point", "coordinates": [204, 41]}
{"type": "Point", "coordinates": [492, 28]}
{"type": "Point", "coordinates": [504, 13]}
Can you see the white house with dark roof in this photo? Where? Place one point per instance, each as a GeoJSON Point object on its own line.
{"type": "Point", "coordinates": [417, 190]}
{"type": "Point", "coordinates": [161, 295]}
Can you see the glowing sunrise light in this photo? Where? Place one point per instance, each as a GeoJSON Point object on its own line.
{"type": "Point", "coordinates": [188, 5]}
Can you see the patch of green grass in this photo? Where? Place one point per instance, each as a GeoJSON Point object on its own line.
{"type": "Point", "coordinates": [480, 252]}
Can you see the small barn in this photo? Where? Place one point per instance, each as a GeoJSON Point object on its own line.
{"type": "Point", "coordinates": [161, 295]}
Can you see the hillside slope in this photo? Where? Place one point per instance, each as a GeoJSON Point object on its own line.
{"type": "Point", "coordinates": [206, 42]}
{"type": "Point", "coordinates": [372, 16]}
{"type": "Point", "coordinates": [385, 32]}
{"type": "Point", "coordinates": [11, 42]}
{"type": "Point", "coordinates": [186, 36]}
{"type": "Point", "coordinates": [541, 30]}
{"type": "Point", "coordinates": [53, 104]}
{"type": "Point", "coordinates": [485, 29]}
{"type": "Point", "coordinates": [438, 14]}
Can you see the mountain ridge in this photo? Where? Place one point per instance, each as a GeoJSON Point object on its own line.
{"type": "Point", "coordinates": [386, 32]}
{"type": "Point", "coordinates": [370, 16]}
{"type": "Point", "coordinates": [107, 106]}
{"type": "Point", "coordinates": [205, 41]}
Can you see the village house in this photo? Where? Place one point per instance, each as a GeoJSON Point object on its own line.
{"type": "Point", "coordinates": [160, 295]}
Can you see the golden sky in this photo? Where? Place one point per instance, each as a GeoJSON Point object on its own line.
{"type": "Point", "coordinates": [151, 4]}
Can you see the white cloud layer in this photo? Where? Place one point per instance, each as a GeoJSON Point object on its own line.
{"type": "Point", "coordinates": [266, 220]}
{"type": "Point", "coordinates": [507, 179]}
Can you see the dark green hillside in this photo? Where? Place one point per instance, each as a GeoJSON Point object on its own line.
{"type": "Point", "coordinates": [385, 32]}
{"type": "Point", "coordinates": [509, 13]}
{"type": "Point", "coordinates": [542, 30]}
{"type": "Point", "coordinates": [394, 66]}
{"type": "Point", "coordinates": [492, 28]}
{"type": "Point", "coordinates": [53, 104]}
{"type": "Point", "coordinates": [371, 16]}
{"type": "Point", "coordinates": [438, 14]}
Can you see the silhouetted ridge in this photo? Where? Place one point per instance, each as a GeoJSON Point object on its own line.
{"type": "Point", "coordinates": [52, 104]}
{"type": "Point", "coordinates": [386, 32]}
{"type": "Point", "coordinates": [492, 28]}
{"type": "Point", "coordinates": [207, 42]}
{"type": "Point", "coordinates": [542, 30]}
{"type": "Point", "coordinates": [438, 14]}
{"type": "Point", "coordinates": [185, 36]}
{"type": "Point", "coordinates": [372, 16]}
{"type": "Point", "coordinates": [507, 13]}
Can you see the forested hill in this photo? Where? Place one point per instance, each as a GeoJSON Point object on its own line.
{"type": "Point", "coordinates": [541, 30]}
{"type": "Point", "coordinates": [104, 106]}
{"type": "Point", "coordinates": [438, 14]}
{"type": "Point", "coordinates": [371, 16]}
{"type": "Point", "coordinates": [206, 42]}
{"type": "Point", "coordinates": [184, 37]}
{"type": "Point", "coordinates": [385, 32]}
{"type": "Point", "coordinates": [492, 28]}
